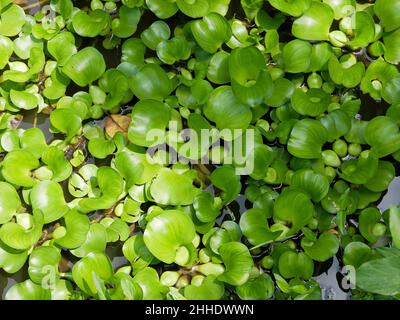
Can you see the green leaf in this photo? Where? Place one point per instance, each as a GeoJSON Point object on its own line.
{"type": "Point", "coordinates": [92, 24]}
{"type": "Point", "coordinates": [172, 188]}
{"type": "Point", "coordinates": [207, 207]}
{"type": "Point", "coordinates": [311, 103]}
{"type": "Point", "coordinates": [48, 197]}
{"type": "Point", "coordinates": [12, 19]}
{"type": "Point", "coordinates": [62, 47]}
{"type": "Point", "coordinates": [209, 289]}
{"type": "Point", "coordinates": [337, 123]}
{"type": "Point", "coordinates": [260, 287]}
{"type": "Point", "coordinates": [356, 253]}
{"type": "Point", "coordinates": [27, 290]}
{"type": "Point", "coordinates": [314, 184]}
{"type": "Point", "coordinates": [378, 73]}
{"type": "Point", "coordinates": [135, 250]}
{"type": "Point", "coordinates": [155, 34]}
{"type": "Point", "coordinates": [95, 241]}
{"type": "Point", "coordinates": [369, 217]}
{"type": "Point", "coordinates": [77, 228]}
{"type": "Point", "coordinates": [324, 248]}
{"type": "Point", "coordinates": [85, 67]}
{"type": "Point", "coordinates": [55, 160]}
{"type": "Point", "coordinates": [293, 265]}
{"type": "Point", "coordinates": [11, 260]}
{"type": "Point", "coordinates": [101, 148]}
{"type": "Point", "coordinates": [226, 111]}
{"type": "Point", "coordinates": [296, 56]}
{"type": "Point", "coordinates": [111, 186]}
{"type": "Point", "coordinates": [394, 224]}
{"type": "Point", "coordinates": [383, 177]}
{"type": "Point", "coordinates": [94, 265]}
{"type": "Point", "coordinates": [218, 68]}
{"type": "Point", "coordinates": [315, 22]}
{"type": "Point", "coordinates": [43, 261]}
{"type": "Point", "coordinates": [380, 276]}
{"type": "Point", "coordinates": [126, 25]}
{"type": "Point", "coordinates": [254, 225]}
{"type": "Point", "coordinates": [162, 9]}
{"type": "Point", "coordinates": [23, 237]}
{"type": "Point", "coordinates": [149, 282]}
{"type": "Point", "coordinates": [7, 48]}
{"type": "Point", "coordinates": [149, 122]}
{"type": "Point", "coordinates": [238, 263]}
{"type": "Point", "coordinates": [360, 170]}
{"type": "Point", "coordinates": [211, 32]}
{"type": "Point", "coordinates": [293, 207]}
{"type": "Point", "coordinates": [225, 179]}
{"type": "Point", "coordinates": [151, 82]}
{"type": "Point", "coordinates": [382, 134]}
{"type": "Point", "coordinates": [388, 13]}
{"type": "Point", "coordinates": [307, 138]}
{"type": "Point", "coordinates": [34, 141]}
{"type": "Point", "coordinates": [23, 100]}
{"type": "Point", "coordinates": [18, 166]}
{"type": "Point", "coordinates": [66, 121]}
{"type": "Point", "coordinates": [9, 202]}
{"type": "Point", "coordinates": [251, 82]}
{"type": "Point", "coordinates": [168, 234]}
{"type": "Point", "coordinates": [171, 51]}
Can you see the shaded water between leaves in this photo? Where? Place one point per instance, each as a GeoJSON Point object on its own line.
{"type": "Point", "coordinates": [327, 274]}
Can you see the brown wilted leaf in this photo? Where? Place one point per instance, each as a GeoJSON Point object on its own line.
{"type": "Point", "coordinates": [117, 123]}
{"type": "Point", "coordinates": [30, 5]}
{"type": "Point", "coordinates": [333, 231]}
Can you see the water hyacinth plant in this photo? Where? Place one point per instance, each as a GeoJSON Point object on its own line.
{"type": "Point", "coordinates": [198, 149]}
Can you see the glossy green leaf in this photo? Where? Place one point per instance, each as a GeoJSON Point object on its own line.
{"type": "Point", "coordinates": [293, 264]}
{"type": "Point", "coordinates": [251, 82]}
{"type": "Point", "coordinates": [126, 25]}
{"type": "Point", "coordinates": [314, 184]}
{"type": "Point", "coordinates": [324, 248]}
{"type": "Point", "coordinates": [111, 186]}
{"type": "Point", "coordinates": [42, 261]}
{"type": "Point", "coordinates": [209, 289]}
{"type": "Point", "coordinates": [93, 265]}
{"type": "Point", "coordinates": [151, 82]}
{"type": "Point", "coordinates": [48, 197]}
{"type": "Point", "coordinates": [211, 32]}
{"type": "Point", "coordinates": [356, 253]}
{"type": "Point", "coordinates": [22, 237]}
{"type": "Point", "coordinates": [315, 22]}
{"type": "Point", "coordinates": [170, 235]}
{"type": "Point", "coordinates": [293, 207]}
{"type": "Point", "coordinates": [311, 103]}
{"type": "Point", "coordinates": [27, 290]}
{"type": "Point", "coordinates": [226, 111]}
{"type": "Point", "coordinates": [18, 166]}
{"type": "Point", "coordinates": [77, 228]}
{"type": "Point", "coordinates": [382, 134]}
{"type": "Point", "coordinates": [10, 202]}
{"type": "Point", "coordinates": [380, 276]}
{"type": "Point", "coordinates": [254, 225]}
{"type": "Point", "coordinates": [307, 138]}
{"type": "Point", "coordinates": [388, 13]}
{"type": "Point", "coordinates": [238, 263]}
{"type": "Point", "coordinates": [92, 24]}
{"type": "Point", "coordinates": [85, 67]}
{"type": "Point", "coordinates": [260, 287]}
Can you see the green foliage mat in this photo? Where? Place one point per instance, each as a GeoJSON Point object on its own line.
{"type": "Point", "coordinates": [115, 80]}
